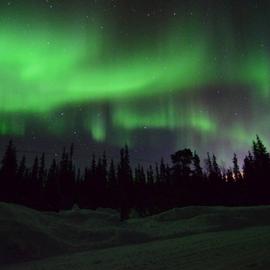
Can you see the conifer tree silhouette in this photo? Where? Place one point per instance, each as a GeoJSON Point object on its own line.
{"type": "Point", "coordinates": [197, 172]}
{"type": "Point", "coordinates": [8, 174]}
{"type": "Point", "coordinates": [236, 170]}
{"type": "Point", "coordinates": [149, 191]}
{"type": "Point", "coordinates": [125, 183]}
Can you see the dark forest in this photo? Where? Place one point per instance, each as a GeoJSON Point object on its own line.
{"type": "Point", "coordinates": [159, 187]}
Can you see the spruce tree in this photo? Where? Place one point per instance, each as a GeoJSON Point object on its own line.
{"type": "Point", "coordinates": [197, 172]}
{"type": "Point", "coordinates": [236, 171]}
{"type": "Point", "coordinates": [8, 173]}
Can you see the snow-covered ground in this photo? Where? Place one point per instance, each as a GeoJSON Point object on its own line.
{"type": "Point", "coordinates": [186, 238]}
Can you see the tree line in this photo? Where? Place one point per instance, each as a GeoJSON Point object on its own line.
{"type": "Point", "coordinates": [106, 183]}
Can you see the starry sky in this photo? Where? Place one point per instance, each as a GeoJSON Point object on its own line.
{"type": "Point", "coordinates": [159, 75]}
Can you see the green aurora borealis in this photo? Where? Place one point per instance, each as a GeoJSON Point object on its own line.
{"type": "Point", "coordinates": [190, 80]}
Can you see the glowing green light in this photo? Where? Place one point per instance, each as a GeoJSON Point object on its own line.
{"type": "Point", "coordinates": [96, 125]}
{"type": "Point", "coordinates": [167, 117]}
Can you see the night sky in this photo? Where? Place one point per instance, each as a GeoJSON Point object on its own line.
{"type": "Point", "coordinates": [157, 75]}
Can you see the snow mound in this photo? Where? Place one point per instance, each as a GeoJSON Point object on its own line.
{"type": "Point", "coordinates": [26, 234]}
{"type": "Point", "coordinates": [197, 219]}
{"type": "Point", "coordinates": [180, 213]}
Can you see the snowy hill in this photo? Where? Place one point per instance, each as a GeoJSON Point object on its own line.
{"type": "Point", "coordinates": [186, 238]}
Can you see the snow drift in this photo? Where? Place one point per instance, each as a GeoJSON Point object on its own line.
{"type": "Point", "coordinates": [84, 237]}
